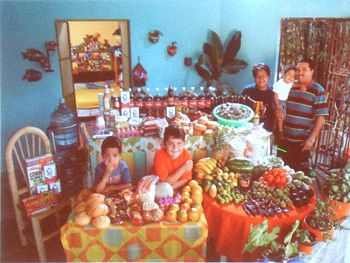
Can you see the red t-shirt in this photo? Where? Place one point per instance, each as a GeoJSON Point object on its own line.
{"type": "Point", "coordinates": [163, 165]}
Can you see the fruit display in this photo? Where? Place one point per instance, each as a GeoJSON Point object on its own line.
{"type": "Point", "coordinates": [189, 208]}
{"type": "Point", "coordinates": [274, 188]}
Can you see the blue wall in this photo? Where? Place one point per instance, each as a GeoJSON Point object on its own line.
{"type": "Point", "coordinates": [28, 24]}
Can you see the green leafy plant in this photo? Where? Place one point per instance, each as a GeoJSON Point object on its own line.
{"type": "Point", "coordinates": [304, 236]}
{"type": "Point", "coordinates": [323, 218]}
{"type": "Point", "coordinates": [217, 60]}
{"type": "Point", "coordinates": [260, 237]}
{"type": "Point", "coordinates": [337, 185]}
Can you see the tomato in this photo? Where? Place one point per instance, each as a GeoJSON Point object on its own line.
{"type": "Point", "coordinates": [283, 180]}
{"type": "Point", "coordinates": [277, 179]}
{"type": "Point", "coordinates": [270, 178]}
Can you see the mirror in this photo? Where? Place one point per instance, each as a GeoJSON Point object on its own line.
{"type": "Point", "coordinates": [92, 54]}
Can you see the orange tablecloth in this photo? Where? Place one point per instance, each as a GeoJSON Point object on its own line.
{"type": "Point", "coordinates": [229, 226]}
{"type": "Point", "coordinates": [152, 242]}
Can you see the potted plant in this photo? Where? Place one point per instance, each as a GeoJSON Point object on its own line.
{"type": "Point", "coordinates": [306, 240]}
{"type": "Point", "coordinates": [322, 221]}
{"type": "Point", "coordinates": [337, 189]}
{"type": "Point", "coordinates": [260, 237]}
{"type": "Point", "coordinates": [217, 60]}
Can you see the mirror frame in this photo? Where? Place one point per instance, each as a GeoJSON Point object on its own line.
{"type": "Point", "coordinates": [65, 59]}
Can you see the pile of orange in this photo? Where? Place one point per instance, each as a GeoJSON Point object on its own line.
{"type": "Point", "coordinates": [190, 208]}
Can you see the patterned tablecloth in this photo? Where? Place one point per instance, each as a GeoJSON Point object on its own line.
{"type": "Point", "coordinates": [152, 242]}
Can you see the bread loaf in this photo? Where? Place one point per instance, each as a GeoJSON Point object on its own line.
{"type": "Point", "coordinates": [101, 222]}
{"type": "Point", "coordinates": [95, 198]}
{"type": "Point", "coordinates": [82, 219]}
{"type": "Point", "coordinates": [80, 207]}
{"type": "Point", "coordinates": [96, 209]}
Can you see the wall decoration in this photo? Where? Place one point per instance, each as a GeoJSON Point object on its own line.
{"type": "Point", "coordinates": [32, 75]}
{"type": "Point", "coordinates": [187, 61]}
{"type": "Point", "coordinates": [139, 75]}
{"type": "Point", "coordinates": [153, 36]}
{"type": "Point", "coordinates": [33, 54]}
{"type": "Point", "coordinates": [172, 49]}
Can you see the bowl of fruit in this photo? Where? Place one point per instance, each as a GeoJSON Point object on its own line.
{"type": "Point", "coordinates": [233, 114]}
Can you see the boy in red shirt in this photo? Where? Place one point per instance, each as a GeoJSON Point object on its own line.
{"type": "Point", "coordinates": [172, 162]}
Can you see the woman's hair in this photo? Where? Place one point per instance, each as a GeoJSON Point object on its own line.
{"type": "Point", "coordinates": [175, 131]}
{"type": "Point", "coordinates": [289, 67]}
{"type": "Point", "coordinates": [261, 66]}
{"type": "Point", "coordinates": [111, 142]}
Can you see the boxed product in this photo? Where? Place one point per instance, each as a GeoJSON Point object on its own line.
{"type": "Point", "coordinates": [40, 202]}
{"type": "Point", "coordinates": [41, 172]}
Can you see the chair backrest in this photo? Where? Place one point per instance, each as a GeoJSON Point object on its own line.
{"type": "Point", "coordinates": [27, 142]}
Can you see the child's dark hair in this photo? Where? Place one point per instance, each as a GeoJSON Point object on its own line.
{"type": "Point", "coordinates": [289, 67]}
{"type": "Point", "coordinates": [261, 66]}
{"type": "Point", "coordinates": [111, 142]}
{"type": "Point", "coordinates": [175, 131]}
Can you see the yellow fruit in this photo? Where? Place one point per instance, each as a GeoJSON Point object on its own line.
{"type": "Point", "coordinates": [213, 190]}
{"type": "Point", "coordinates": [193, 214]}
{"type": "Point", "coordinates": [204, 167]}
{"type": "Point", "coordinates": [171, 216]}
{"type": "Point", "coordinates": [184, 206]}
{"type": "Point", "coordinates": [182, 216]}
{"type": "Point", "coordinates": [185, 195]}
{"type": "Point", "coordinates": [197, 205]}
{"type": "Point", "coordinates": [174, 207]}
{"type": "Point", "coordinates": [188, 200]}
{"type": "Point", "coordinates": [197, 188]}
{"type": "Point", "coordinates": [197, 196]}
{"type": "Point", "coordinates": [200, 176]}
{"type": "Point", "coordinates": [199, 170]}
{"type": "Point", "coordinates": [192, 183]}
{"type": "Point", "coordinates": [186, 188]}
{"type": "Point", "coordinates": [203, 159]}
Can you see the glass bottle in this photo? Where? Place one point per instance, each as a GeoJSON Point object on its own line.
{"type": "Point", "coordinates": [139, 102]}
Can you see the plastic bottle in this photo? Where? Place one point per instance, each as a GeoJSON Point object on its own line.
{"type": "Point", "coordinates": [201, 105]}
{"type": "Point", "coordinates": [177, 102]}
{"type": "Point", "coordinates": [148, 103]}
{"type": "Point", "coordinates": [192, 103]}
{"type": "Point", "coordinates": [210, 100]}
{"type": "Point", "coordinates": [184, 101]}
{"type": "Point", "coordinates": [164, 102]}
{"type": "Point", "coordinates": [64, 127]}
{"type": "Point", "coordinates": [107, 99]}
{"type": "Point", "coordinates": [139, 102]}
{"type": "Point", "coordinates": [171, 97]}
{"type": "Point", "coordinates": [157, 104]}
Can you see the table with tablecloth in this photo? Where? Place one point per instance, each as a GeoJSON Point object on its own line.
{"type": "Point", "coordinates": [229, 226]}
{"type": "Point", "coordinates": [126, 242]}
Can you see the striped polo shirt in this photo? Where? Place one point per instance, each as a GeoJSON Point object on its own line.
{"type": "Point", "coordinates": [302, 108]}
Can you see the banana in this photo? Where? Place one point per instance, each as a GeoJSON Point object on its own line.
{"type": "Point", "coordinates": [199, 170]}
{"type": "Point", "coordinates": [208, 177]}
{"type": "Point", "coordinates": [203, 159]}
{"type": "Point", "coordinates": [204, 167]}
{"type": "Point", "coordinates": [200, 176]}
{"type": "Point", "coordinates": [212, 163]}
{"type": "Point", "coordinates": [213, 160]}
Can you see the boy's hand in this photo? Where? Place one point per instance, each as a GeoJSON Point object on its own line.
{"type": "Point", "coordinates": [188, 166]}
{"type": "Point", "coordinates": [109, 167]}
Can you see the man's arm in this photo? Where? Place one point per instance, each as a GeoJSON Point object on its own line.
{"type": "Point", "coordinates": [308, 144]}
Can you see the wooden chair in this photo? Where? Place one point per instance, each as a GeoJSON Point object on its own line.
{"type": "Point", "coordinates": [29, 142]}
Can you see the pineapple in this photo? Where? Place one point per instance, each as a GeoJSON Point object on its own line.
{"type": "Point", "coordinates": [221, 151]}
